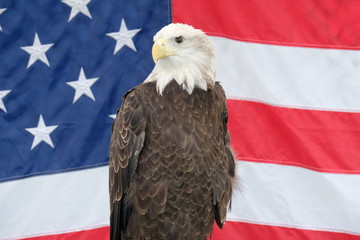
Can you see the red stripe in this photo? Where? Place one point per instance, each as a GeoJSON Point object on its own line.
{"type": "Point", "coordinates": [312, 23]}
{"type": "Point", "coordinates": [231, 230]}
{"type": "Point", "coordinates": [247, 231]}
{"type": "Point", "coordinates": [318, 140]}
{"type": "Point", "coordinates": [93, 234]}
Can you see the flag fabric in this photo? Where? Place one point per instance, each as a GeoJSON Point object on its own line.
{"type": "Point", "coordinates": [291, 72]}
{"type": "Point", "coordinates": [64, 68]}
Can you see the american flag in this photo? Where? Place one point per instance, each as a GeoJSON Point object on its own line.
{"type": "Point", "coordinates": [64, 67]}
{"type": "Point", "coordinates": [291, 72]}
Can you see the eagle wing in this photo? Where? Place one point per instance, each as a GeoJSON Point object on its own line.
{"type": "Point", "coordinates": [223, 185]}
{"type": "Point", "coordinates": [127, 140]}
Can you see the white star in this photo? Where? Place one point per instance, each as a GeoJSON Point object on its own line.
{"type": "Point", "coordinates": [1, 11]}
{"type": "Point", "coordinates": [124, 37]}
{"type": "Point", "coordinates": [37, 51]}
{"type": "Point", "coordinates": [82, 86]}
{"type": "Point", "coordinates": [78, 6]}
{"type": "Point", "coordinates": [41, 133]}
{"type": "Point", "coordinates": [113, 116]}
{"type": "Point", "coordinates": [2, 95]}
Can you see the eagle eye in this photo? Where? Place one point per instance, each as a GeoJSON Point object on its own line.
{"type": "Point", "coordinates": [179, 39]}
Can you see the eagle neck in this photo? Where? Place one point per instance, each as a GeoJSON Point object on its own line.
{"type": "Point", "coordinates": [188, 76]}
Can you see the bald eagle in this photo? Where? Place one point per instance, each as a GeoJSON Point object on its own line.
{"type": "Point", "coordinates": [171, 166]}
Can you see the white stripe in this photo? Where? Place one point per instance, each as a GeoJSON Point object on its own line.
{"type": "Point", "coordinates": [295, 197]}
{"type": "Point", "coordinates": [289, 76]}
{"type": "Point", "coordinates": [54, 203]}
{"type": "Point", "coordinates": [272, 194]}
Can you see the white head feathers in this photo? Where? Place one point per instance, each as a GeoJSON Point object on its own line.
{"type": "Point", "coordinates": [184, 54]}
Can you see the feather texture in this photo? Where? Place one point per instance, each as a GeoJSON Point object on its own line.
{"type": "Point", "coordinates": [171, 167]}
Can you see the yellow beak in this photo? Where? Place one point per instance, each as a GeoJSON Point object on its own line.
{"type": "Point", "coordinates": [160, 50]}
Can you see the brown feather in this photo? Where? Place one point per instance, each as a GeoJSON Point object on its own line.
{"type": "Point", "coordinates": [171, 166]}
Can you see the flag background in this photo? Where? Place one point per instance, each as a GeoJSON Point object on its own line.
{"type": "Point", "coordinates": [291, 74]}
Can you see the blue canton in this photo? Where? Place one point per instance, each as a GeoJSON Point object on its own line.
{"type": "Point", "coordinates": [64, 67]}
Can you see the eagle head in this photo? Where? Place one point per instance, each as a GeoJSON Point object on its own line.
{"type": "Point", "coordinates": [183, 54]}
